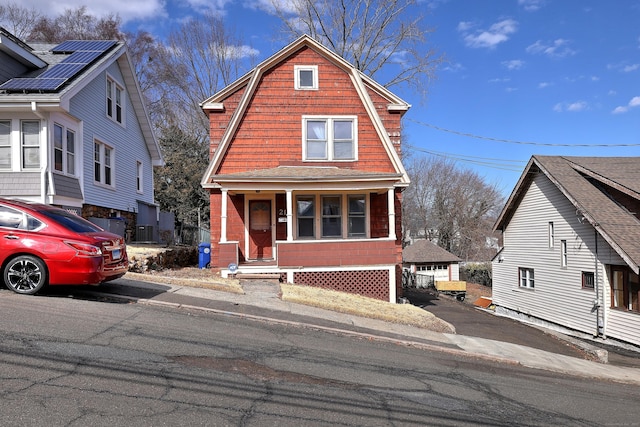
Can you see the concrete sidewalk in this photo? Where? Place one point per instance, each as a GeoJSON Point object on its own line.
{"type": "Point", "coordinates": [261, 302]}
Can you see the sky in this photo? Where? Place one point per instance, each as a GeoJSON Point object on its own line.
{"type": "Point", "coordinates": [521, 77]}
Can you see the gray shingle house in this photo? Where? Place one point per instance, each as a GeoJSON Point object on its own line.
{"type": "Point", "coordinates": [74, 131]}
{"type": "Point", "coordinates": [571, 254]}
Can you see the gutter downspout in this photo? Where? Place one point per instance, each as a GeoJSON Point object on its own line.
{"type": "Point", "coordinates": [600, 327]}
{"type": "Point", "coordinates": [47, 190]}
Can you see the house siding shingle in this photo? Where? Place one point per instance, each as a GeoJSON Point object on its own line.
{"type": "Point", "coordinates": [277, 132]}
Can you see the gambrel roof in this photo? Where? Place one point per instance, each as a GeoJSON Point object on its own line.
{"type": "Point", "coordinates": [604, 190]}
{"type": "Point", "coordinates": [248, 84]}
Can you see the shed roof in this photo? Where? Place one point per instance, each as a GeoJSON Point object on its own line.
{"type": "Point", "coordinates": [423, 251]}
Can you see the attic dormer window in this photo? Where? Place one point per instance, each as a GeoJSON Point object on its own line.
{"type": "Point", "coordinates": [306, 77]}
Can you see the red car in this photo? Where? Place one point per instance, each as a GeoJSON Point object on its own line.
{"type": "Point", "coordinates": [43, 245]}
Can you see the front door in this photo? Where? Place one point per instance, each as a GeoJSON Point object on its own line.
{"type": "Point", "coordinates": [260, 237]}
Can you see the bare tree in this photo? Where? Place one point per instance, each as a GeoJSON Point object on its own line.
{"type": "Point", "coordinates": [18, 20]}
{"type": "Point", "coordinates": [200, 58]}
{"type": "Point", "coordinates": [76, 24]}
{"type": "Point", "coordinates": [371, 34]}
{"type": "Point", "coordinates": [453, 207]}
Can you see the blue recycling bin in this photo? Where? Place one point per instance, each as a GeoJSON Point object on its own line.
{"type": "Point", "coordinates": [204, 255]}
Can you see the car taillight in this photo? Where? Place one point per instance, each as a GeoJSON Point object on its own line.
{"type": "Point", "coordinates": [85, 249]}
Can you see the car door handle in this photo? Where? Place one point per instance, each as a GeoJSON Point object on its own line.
{"type": "Point", "coordinates": [11, 237]}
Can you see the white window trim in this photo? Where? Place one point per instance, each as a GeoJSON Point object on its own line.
{"type": "Point", "coordinates": [551, 234]}
{"type": "Point", "coordinates": [563, 254]}
{"type": "Point", "coordinates": [101, 182]}
{"type": "Point", "coordinates": [344, 217]}
{"type": "Point", "coordinates": [528, 275]}
{"type": "Point", "coordinates": [139, 177]}
{"type": "Point", "coordinates": [112, 113]}
{"type": "Point", "coordinates": [65, 166]}
{"type": "Point", "coordinates": [330, 140]}
{"type": "Point", "coordinates": [23, 146]}
{"type": "Point", "coordinates": [314, 71]}
{"type": "Point", "coordinates": [9, 146]}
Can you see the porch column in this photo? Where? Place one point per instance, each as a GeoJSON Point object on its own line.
{"type": "Point", "coordinates": [392, 213]}
{"type": "Point", "coordinates": [289, 215]}
{"type": "Point", "coordinates": [223, 217]}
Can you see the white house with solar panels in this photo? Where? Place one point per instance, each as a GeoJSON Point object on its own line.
{"type": "Point", "coordinates": [75, 133]}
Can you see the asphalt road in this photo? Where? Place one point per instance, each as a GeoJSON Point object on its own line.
{"type": "Point", "coordinates": [76, 362]}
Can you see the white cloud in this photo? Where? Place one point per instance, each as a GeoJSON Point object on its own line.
{"type": "Point", "coordinates": [127, 10]}
{"type": "Point", "coordinates": [514, 64]}
{"type": "Point", "coordinates": [531, 5]}
{"type": "Point", "coordinates": [556, 49]}
{"type": "Point", "coordinates": [543, 85]}
{"type": "Point", "coordinates": [572, 107]}
{"type": "Point", "coordinates": [496, 34]}
{"type": "Point", "coordinates": [629, 68]}
{"type": "Point", "coordinates": [634, 102]}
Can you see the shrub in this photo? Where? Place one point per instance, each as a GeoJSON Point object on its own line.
{"type": "Point", "coordinates": [476, 272]}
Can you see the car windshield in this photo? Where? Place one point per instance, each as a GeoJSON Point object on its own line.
{"type": "Point", "coordinates": [71, 221]}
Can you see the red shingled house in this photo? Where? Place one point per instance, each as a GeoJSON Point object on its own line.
{"type": "Point", "coordinates": [305, 175]}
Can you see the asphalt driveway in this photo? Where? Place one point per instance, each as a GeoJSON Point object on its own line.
{"type": "Point", "coordinates": [471, 321]}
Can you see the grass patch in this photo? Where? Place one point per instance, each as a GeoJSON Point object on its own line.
{"type": "Point", "coordinates": [342, 302]}
{"type": "Point", "coordinates": [212, 282]}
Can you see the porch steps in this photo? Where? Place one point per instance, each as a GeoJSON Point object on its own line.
{"type": "Point", "coordinates": [257, 275]}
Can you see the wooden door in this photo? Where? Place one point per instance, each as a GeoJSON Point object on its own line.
{"type": "Point", "coordinates": [260, 235]}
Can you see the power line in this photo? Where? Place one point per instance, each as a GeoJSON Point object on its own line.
{"type": "Point", "coordinates": [480, 161]}
{"type": "Point", "coordinates": [511, 141]}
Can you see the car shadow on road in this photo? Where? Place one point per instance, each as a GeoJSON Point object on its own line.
{"type": "Point", "coordinates": [116, 292]}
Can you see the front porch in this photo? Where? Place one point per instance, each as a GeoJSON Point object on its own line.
{"type": "Point", "coordinates": [365, 267]}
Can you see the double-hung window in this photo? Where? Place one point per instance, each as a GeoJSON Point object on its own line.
{"type": "Point", "coordinates": [30, 143]}
{"type": "Point", "coordinates": [64, 149]}
{"type": "Point", "coordinates": [115, 100]}
{"type": "Point", "coordinates": [335, 216]}
{"type": "Point", "coordinates": [5, 144]}
{"type": "Point", "coordinates": [329, 138]}
{"type": "Point", "coordinates": [306, 215]}
{"type": "Point", "coordinates": [357, 216]}
{"type": "Point", "coordinates": [526, 277]}
{"type": "Point", "coordinates": [103, 164]}
{"type": "Point", "coordinates": [331, 216]}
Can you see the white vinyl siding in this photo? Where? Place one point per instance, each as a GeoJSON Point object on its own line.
{"type": "Point", "coordinates": [88, 105]}
{"type": "Point", "coordinates": [558, 296]}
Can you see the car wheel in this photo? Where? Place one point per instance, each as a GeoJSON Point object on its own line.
{"type": "Point", "coordinates": [25, 274]}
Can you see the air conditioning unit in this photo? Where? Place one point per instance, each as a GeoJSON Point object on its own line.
{"type": "Point", "coordinates": [144, 233]}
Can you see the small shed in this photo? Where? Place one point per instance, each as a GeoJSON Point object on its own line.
{"type": "Point", "coordinates": [424, 258]}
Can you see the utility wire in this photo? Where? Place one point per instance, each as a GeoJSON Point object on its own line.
{"type": "Point", "coordinates": [480, 161]}
{"type": "Point", "coordinates": [510, 141]}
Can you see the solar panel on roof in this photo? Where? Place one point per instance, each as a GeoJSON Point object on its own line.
{"type": "Point", "coordinates": [33, 83]}
{"type": "Point", "coordinates": [81, 57]}
{"type": "Point", "coordinates": [83, 45]}
{"type": "Point", "coordinates": [62, 71]}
